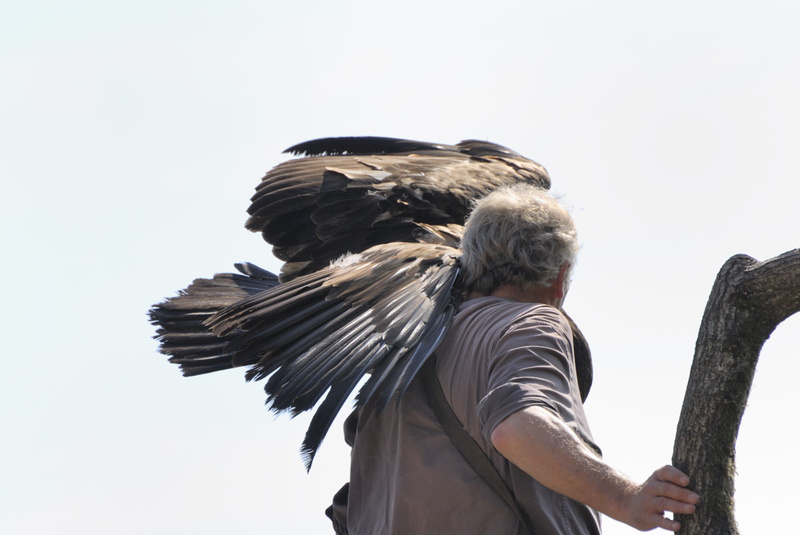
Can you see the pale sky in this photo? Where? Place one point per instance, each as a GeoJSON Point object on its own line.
{"type": "Point", "coordinates": [133, 134]}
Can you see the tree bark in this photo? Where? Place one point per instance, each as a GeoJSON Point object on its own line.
{"type": "Point", "coordinates": [748, 300]}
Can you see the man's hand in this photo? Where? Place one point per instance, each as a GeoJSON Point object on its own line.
{"type": "Point", "coordinates": [664, 491]}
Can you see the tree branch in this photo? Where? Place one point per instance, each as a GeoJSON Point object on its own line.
{"type": "Point", "coordinates": [748, 300]}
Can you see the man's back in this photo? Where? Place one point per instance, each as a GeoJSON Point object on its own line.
{"type": "Point", "coordinates": [406, 475]}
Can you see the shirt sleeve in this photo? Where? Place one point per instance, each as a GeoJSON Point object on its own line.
{"type": "Point", "coordinates": [532, 365]}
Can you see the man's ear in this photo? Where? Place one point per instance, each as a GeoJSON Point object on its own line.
{"type": "Point", "coordinates": [560, 284]}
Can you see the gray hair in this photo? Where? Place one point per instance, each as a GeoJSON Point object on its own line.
{"type": "Point", "coordinates": [516, 235]}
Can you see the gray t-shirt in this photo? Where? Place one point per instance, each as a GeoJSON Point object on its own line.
{"type": "Point", "coordinates": [407, 478]}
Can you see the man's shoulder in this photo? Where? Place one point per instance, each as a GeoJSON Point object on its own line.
{"type": "Point", "coordinates": [540, 318]}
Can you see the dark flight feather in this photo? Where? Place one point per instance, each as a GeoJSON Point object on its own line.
{"type": "Point", "coordinates": [182, 331]}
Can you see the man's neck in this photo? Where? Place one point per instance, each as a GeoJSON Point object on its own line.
{"type": "Point", "coordinates": [534, 294]}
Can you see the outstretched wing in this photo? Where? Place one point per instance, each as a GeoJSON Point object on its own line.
{"type": "Point", "coordinates": [350, 194]}
{"type": "Point", "coordinates": [380, 312]}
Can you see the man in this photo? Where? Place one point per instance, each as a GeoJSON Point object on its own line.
{"type": "Point", "coordinates": [507, 370]}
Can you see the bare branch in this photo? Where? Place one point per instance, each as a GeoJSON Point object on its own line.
{"type": "Point", "coordinates": [748, 300]}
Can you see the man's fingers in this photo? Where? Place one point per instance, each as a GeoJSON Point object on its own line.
{"type": "Point", "coordinates": [671, 474]}
{"type": "Point", "coordinates": [674, 492]}
{"type": "Point", "coordinates": [676, 506]}
{"type": "Point", "coordinates": [668, 524]}
{"type": "Point", "coordinates": [669, 487]}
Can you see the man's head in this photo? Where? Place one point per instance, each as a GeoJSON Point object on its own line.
{"type": "Point", "coordinates": [518, 236]}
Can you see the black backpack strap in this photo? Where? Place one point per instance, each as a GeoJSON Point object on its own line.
{"type": "Point", "coordinates": [465, 444]}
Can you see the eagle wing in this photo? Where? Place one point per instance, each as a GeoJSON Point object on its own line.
{"type": "Point", "coordinates": [349, 194]}
{"type": "Point", "coordinates": [379, 313]}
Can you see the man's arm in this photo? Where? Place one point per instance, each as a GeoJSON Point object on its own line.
{"type": "Point", "coordinates": [541, 444]}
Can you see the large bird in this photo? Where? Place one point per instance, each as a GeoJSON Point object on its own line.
{"type": "Point", "coordinates": [368, 228]}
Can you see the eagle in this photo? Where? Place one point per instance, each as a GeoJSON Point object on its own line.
{"type": "Point", "coordinates": [368, 229]}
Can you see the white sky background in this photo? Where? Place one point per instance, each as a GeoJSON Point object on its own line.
{"type": "Point", "coordinates": [133, 134]}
